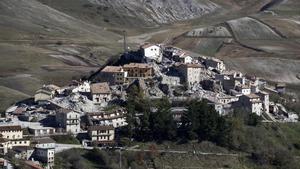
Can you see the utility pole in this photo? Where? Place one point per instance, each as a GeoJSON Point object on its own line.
{"type": "Point", "coordinates": [120, 159]}
{"type": "Point", "coordinates": [124, 41]}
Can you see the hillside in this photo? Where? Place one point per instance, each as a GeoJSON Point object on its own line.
{"type": "Point", "coordinates": [54, 41]}
{"type": "Point", "coordinates": [264, 43]}
{"type": "Point", "coordinates": [49, 39]}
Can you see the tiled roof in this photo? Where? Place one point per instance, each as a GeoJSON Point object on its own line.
{"type": "Point", "coordinates": [10, 128]}
{"type": "Point", "coordinates": [43, 140]}
{"type": "Point", "coordinates": [93, 128]}
{"type": "Point", "coordinates": [112, 69]}
{"type": "Point", "coordinates": [194, 66]}
{"type": "Point", "coordinates": [137, 65]}
{"type": "Point", "coordinates": [100, 88]}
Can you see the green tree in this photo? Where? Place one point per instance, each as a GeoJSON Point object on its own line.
{"type": "Point", "coordinates": [162, 124]}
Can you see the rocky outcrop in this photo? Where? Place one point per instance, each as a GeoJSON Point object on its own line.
{"type": "Point", "coordinates": [159, 11]}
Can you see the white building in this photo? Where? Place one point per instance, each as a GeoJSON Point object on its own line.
{"type": "Point", "coordinates": [182, 57]}
{"type": "Point", "coordinates": [68, 120]}
{"type": "Point", "coordinates": [244, 89]}
{"type": "Point", "coordinates": [44, 150]}
{"type": "Point", "coordinates": [83, 87]}
{"type": "Point", "coordinates": [115, 118]}
{"type": "Point", "coordinates": [214, 63]}
{"type": "Point", "coordinates": [102, 134]}
{"type": "Point", "coordinates": [101, 94]}
{"type": "Point", "coordinates": [251, 103]}
{"type": "Point", "coordinates": [151, 52]}
{"type": "Point", "coordinates": [265, 98]}
{"type": "Point", "coordinates": [41, 131]}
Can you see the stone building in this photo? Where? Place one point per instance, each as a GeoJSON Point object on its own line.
{"type": "Point", "coordinates": [251, 103]}
{"type": "Point", "coordinates": [191, 73]}
{"type": "Point", "coordinates": [47, 92]}
{"type": "Point", "coordinates": [82, 87]}
{"type": "Point", "coordinates": [101, 93]}
{"type": "Point", "coordinates": [114, 75]}
{"type": "Point", "coordinates": [138, 70]}
{"type": "Point", "coordinates": [265, 98]}
{"type": "Point", "coordinates": [215, 64]}
{"type": "Point", "coordinates": [68, 120]}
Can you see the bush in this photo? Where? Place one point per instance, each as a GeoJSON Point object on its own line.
{"type": "Point", "coordinates": [65, 139]}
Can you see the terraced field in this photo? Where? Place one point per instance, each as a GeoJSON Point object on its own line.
{"type": "Point", "coordinates": [251, 29]}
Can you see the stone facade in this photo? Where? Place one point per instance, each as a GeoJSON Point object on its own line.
{"type": "Point", "coordinates": [139, 70]}
{"type": "Point", "coordinates": [101, 94]}
{"type": "Point", "coordinates": [114, 75]}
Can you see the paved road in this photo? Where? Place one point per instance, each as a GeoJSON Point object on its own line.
{"type": "Point", "coordinates": [63, 147]}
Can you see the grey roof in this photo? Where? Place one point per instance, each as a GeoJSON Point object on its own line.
{"type": "Point", "coordinates": [43, 140]}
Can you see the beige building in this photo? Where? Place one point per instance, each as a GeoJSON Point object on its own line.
{"type": "Point", "coordinates": [47, 92]}
{"type": "Point", "coordinates": [191, 73]}
{"type": "Point", "coordinates": [101, 93]}
{"type": "Point", "coordinates": [11, 136]}
{"type": "Point", "coordinates": [11, 132]}
{"type": "Point", "coordinates": [68, 120]}
{"type": "Point", "coordinates": [114, 74]}
{"type": "Point", "coordinates": [101, 134]}
{"type": "Point", "coordinates": [138, 70]}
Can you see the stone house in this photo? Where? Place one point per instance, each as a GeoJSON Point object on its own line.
{"type": "Point", "coordinates": [101, 94]}
{"type": "Point", "coordinates": [250, 103]}
{"type": "Point", "coordinates": [102, 134]}
{"type": "Point", "coordinates": [114, 75]}
{"type": "Point", "coordinates": [265, 98]}
{"type": "Point", "coordinates": [47, 92]}
{"type": "Point", "coordinates": [68, 120]}
{"type": "Point", "coordinates": [82, 87]}
{"type": "Point", "coordinates": [215, 64]}
{"type": "Point", "coordinates": [139, 70]}
{"type": "Point", "coordinates": [191, 73]}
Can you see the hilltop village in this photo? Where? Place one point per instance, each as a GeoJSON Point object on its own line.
{"type": "Point", "coordinates": [93, 109]}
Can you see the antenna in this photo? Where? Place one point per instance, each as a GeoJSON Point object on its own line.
{"type": "Point", "coordinates": [124, 41]}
